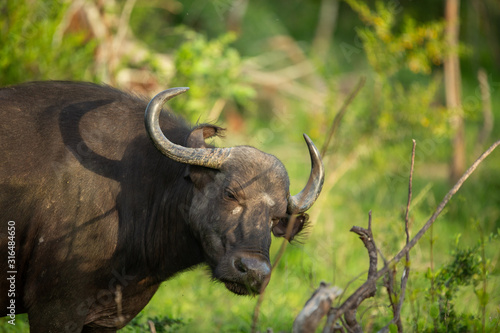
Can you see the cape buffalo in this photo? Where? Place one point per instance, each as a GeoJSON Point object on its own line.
{"type": "Point", "coordinates": [97, 209]}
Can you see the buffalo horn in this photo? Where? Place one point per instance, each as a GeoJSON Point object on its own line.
{"type": "Point", "coordinates": [207, 157]}
{"type": "Point", "coordinates": [302, 201]}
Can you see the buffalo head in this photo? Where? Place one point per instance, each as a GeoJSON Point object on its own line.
{"type": "Point", "coordinates": [240, 196]}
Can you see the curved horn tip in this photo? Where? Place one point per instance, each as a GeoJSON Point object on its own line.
{"type": "Point", "coordinates": [312, 148]}
{"type": "Point", "coordinates": [183, 89]}
{"type": "Point", "coordinates": [305, 199]}
{"type": "Point", "coordinates": [175, 91]}
{"type": "Point", "coordinates": [309, 141]}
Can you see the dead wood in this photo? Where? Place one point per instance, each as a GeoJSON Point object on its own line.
{"type": "Point", "coordinates": [316, 308]}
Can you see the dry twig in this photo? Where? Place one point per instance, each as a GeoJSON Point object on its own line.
{"type": "Point", "coordinates": [369, 287]}
{"type": "Point", "coordinates": [338, 117]}
{"type": "Point", "coordinates": [406, 272]}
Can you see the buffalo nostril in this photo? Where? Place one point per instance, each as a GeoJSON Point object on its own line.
{"type": "Point", "coordinates": [238, 264]}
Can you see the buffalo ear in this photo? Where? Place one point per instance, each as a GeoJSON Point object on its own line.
{"type": "Point", "coordinates": [201, 176]}
{"type": "Point", "coordinates": [200, 133]}
{"type": "Point", "coordinates": [300, 222]}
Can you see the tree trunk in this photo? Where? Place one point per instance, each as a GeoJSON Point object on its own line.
{"type": "Point", "coordinates": [453, 85]}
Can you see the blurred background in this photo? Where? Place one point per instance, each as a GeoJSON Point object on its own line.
{"type": "Point", "coordinates": [269, 71]}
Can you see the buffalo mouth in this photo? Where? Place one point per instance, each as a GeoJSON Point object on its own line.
{"type": "Point", "coordinates": [243, 273]}
{"type": "Point", "coordinates": [239, 289]}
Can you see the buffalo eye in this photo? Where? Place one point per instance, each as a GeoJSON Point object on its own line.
{"type": "Point", "coordinates": [230, 195]}
{"type": "Point", "coordinates": [274, 222]}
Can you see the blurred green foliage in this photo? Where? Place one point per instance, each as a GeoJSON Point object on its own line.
{"type": "Point", "coordinates": [213, 70]}
{"type": "Point", "coordinates": [445, 284]}
{"type": "Point", "coordinates": [389, 47]}
{"type": "Point", "coordinates": [406, 101]}
{"type": "Point", "coordinates": [34, 47]}
{"type": "Point", "coordinates": [468, 266]}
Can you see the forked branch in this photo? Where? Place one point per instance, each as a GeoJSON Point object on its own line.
{"type": "Point", "coordinates": [368, 287]}
{"type": "Point", "coordinates": [349, 307]}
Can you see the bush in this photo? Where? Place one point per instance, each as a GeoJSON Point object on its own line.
{"type": "Point", "coordinates": [34, 45]}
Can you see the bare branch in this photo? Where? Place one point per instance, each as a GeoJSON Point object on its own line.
{"type": "Point", "coordinates": [391, 293]}
{"type": "Point", "coordinates": [369, 285]}
{"type": "Point", "coordinates": [370, 220]}
{"type": "Point", "coordinates": [406, 271]}
{"type": "Point", "coordinates": [443, 203]}
{"type": "Point", "coordinates": [366, 237]}
{"type": "Point", "coordinates": [410, 185]}
{"type": "Point", "coordinates": [341, 113]}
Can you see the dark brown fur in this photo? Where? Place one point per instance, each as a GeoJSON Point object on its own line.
{"type": "Point", "coordinates": [96, 206]}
